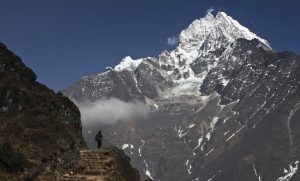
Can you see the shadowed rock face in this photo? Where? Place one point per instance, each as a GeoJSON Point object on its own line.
{"type": "Point", "coordinates": [38, 127]}
{"type": "Point", "coordinates": [241, 123]}
{"type": "Point", "coordinates": [41, 132]}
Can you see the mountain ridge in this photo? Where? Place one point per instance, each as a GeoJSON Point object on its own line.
{"type": "Point", "coordinates": [219, 107]}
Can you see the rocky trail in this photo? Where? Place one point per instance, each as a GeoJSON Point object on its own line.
{"type": "Point", "coordinates": [101, 165]}
{"type": "Point", "coordinates": [94, 163]}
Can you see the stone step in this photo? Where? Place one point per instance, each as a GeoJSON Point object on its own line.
{"type": "Point", "coordinates": [86, 155]}
{"type": "Point", "coordinates": [93, 153]}
{"type": "Point", "coordinates": [95, 156]}
{"type": "Point", "coordinates": [81, 178]}
{"type": "Point", "coordinates": [96, 153]}
{"type": "Point", "coordinates": [95, 171]}
{"type": "Point", "coordinates": [98, 166]}
{"type": "Point", "coordinates": [92, 158]}
{"type": "Point", "coordinates": [95, 164]}
{"type": "Point", "coordinates": [92, 161]}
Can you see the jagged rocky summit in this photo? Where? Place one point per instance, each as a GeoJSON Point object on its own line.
{"type": "Point", "coordinates": [41, 133]}
{"type": "Point", "coordinates": [224, 106]}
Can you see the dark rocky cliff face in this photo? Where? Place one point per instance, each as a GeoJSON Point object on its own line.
{"type": "Point", "coordinates": [41, 132]}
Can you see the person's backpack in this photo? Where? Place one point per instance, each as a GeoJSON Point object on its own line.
{"type": "Point", "coordinates": [98, 137]}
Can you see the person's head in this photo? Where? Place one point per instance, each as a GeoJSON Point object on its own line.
{"type": "Point", "coordinates": [99, 132]}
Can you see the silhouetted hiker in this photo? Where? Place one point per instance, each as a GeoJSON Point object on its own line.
{"type": "Point", "coordinates": [98, 138]}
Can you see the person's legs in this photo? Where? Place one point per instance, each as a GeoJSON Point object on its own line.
{"type": "Point", "coordinates": [98, 144]}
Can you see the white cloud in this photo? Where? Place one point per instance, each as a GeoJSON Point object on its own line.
{"type": "Point", "coordinates": [172, 41]}
{"type": "Point", "coordinates": [210, 10]}
{"type": "Point", "coordinates": [111, 111]}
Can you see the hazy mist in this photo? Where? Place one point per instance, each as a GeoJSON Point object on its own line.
{"type": "Point", "coordinates": [111, 111]}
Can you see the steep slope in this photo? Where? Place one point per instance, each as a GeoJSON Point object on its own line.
{"type": "Point", "coordinates": [223, 105]}
{"type": "Point", "coordinates": [40, 131]}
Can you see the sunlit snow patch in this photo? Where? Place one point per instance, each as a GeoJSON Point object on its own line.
{"type": "Point", "coordinates": [189, 166]}
{"type": "Point", "coordinates": [128, 63]}
{"type": "Point", "coordinates": [130, 146]}
{"type": "Point", "coordinates": [290, 172]}
{"type": "Point", "coordinates": [124, 146]}
{"type": "Point", "coordinates": [256, 173]}
{"type": "Point", "coordinates": [198, 145]}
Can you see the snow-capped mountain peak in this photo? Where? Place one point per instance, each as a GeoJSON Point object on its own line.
{"type": "Point", "coordinates": [200, 37]}
{"type": "Point", "coordinates": [189, 64]}
{"type": "Point", "coordinates": [197, 44]}
{"type": "Point", "coordinates": [128, 63]}
{"type": "Point", "coordinates": [241, 31]}
{"type": "Point", "coordinates": [214, 28]}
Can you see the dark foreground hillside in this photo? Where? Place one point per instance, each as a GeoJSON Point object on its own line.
{"type": "Point", "coordinates": [40, 131]}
